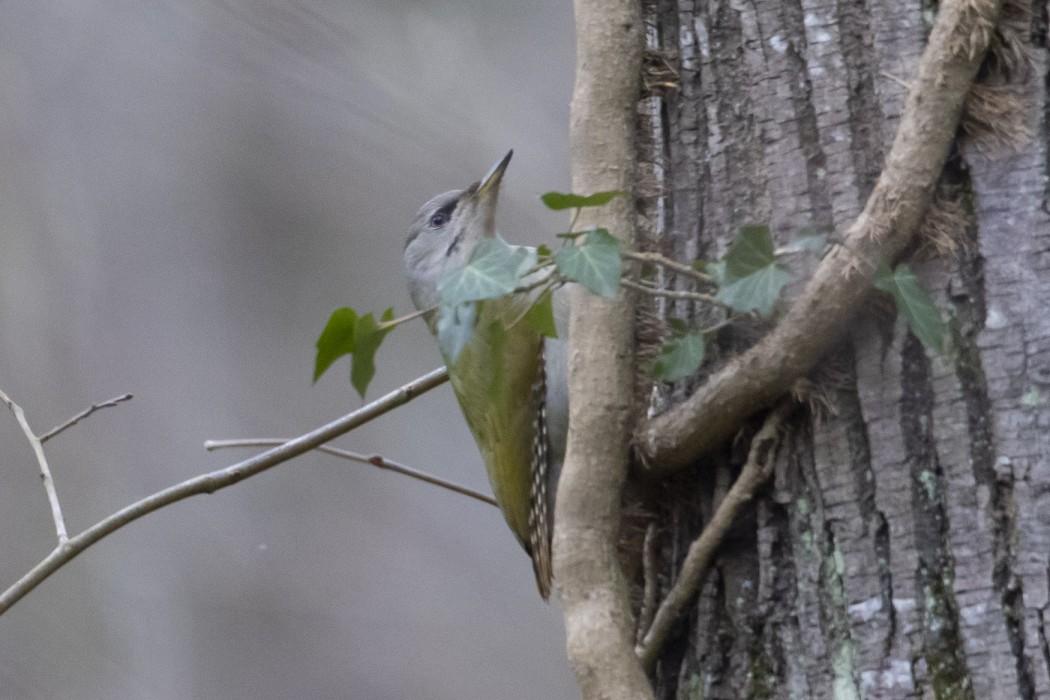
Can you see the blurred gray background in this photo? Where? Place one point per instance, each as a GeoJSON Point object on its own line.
{"type": "Point", "coordinates": [187, 190]}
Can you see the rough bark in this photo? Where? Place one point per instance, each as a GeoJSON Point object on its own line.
{"type": "Point", "coordinates": [598, 622]}
{"type": "Point", "coordinates": [903, 550]}
{"type": "Point", "coordinates": [882, 229]}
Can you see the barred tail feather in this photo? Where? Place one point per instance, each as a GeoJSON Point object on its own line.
{"type": "Point", "coordinates": [539, 506]}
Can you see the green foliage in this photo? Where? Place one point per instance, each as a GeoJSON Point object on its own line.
{"type": "Point", "coordinates": [540, 316]}
{"type": "Point", "coordinates": [368, 335]}
{"type": "Point", "coordinates": [559, 201]}
{"type": "Point", "coordinates": [716, 269]}
{"type": "Point", "coordinates": [913, 303]}
{"type": "Point", "coordinates": [348, 333]}
{"type": "Point", "coordinates": [455, 324]}
{"type": "Point", "coordinates": [680, 356]}
{"type": "Point", "coordinates": [494, 269]}
{"type": "Point", "coordinates": [750, 278]}
{"type": "Point", "coordinates": [594, 262]}
{"type": "Point", "coordinates": [336, 340]}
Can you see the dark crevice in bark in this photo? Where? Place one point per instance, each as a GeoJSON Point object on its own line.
{"type": "Point", "coordinates": [715, 638]}
{"type": "Point", "coordinates": [882, 559]}
{"type": "Point", "coordinates": [1044, 643]}
{"type": "Point", "coordinates": [1013, 609]}
{"type": "Point", "coordinates": [946, 672]}
{"type": "Point", "coordinates": [684, 126]}
{"type": "Point", "coordinates": [741, 573]}
{"type": "Point", "coordinates": [834, 617]}
{"type": "Point", "coordinates": [762, 679]}
{"type": "Point", "coordinates": [720, 659]}
{"type": "Point", "coordinates": [654, 200]}
{"type": "Point", "coordinates": [806, 117]}
{"type": "Point", "coordinates": [686, 130]}
{"type": "Point", "coordinates": [851, 415]}
{"type": "Point", "coordinates": [682, 651]}
{"type": "Point", "coordinates": [740, 135]}
{"type": "Point", "coordinates": [678, 658]}
{"type": "Point", "coordinates": [777, 596]}
{"type": "Point", "coordinates": [969, 310]}
{"type": "Point", "coordinates": [865, 110]}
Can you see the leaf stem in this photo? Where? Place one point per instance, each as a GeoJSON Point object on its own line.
{"type": "Point", "coordinates": [575, 218]}
{"type": "Point", "coordinates": [680, 268]}
{"type": "Point", "coordinates": [402, 319]}
{"type": "Point", "coordinates": [538, 283]}
{"type": "Point", "coordinates": [675, 294]}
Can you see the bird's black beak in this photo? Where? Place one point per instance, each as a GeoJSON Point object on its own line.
{"type": "Point", "coordinates": [482, 197]}
{"type": "Point", "coordinates": [489, 184]}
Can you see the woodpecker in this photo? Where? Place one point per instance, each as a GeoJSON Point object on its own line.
{"type": "Point", "coordinates": [515, 403]}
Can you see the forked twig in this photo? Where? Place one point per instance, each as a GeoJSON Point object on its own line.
{"type": "Point", "coordinates": [213, 481]}
{"type": "Point", "coordinates": [45, 472]}
{"type": "Point", "coordinates": [373, 460]}
{"type": "Point", "coordinates": [82, 415]}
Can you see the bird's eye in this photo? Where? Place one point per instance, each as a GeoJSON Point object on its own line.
{"type": "Point", "coordinates": [439, 219]}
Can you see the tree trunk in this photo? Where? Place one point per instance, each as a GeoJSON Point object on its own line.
{"type": "Point", "coordinates": [903, 547]}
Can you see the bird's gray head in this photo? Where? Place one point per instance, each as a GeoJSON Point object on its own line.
{"type": "Point", "coordinates": [446, 230]}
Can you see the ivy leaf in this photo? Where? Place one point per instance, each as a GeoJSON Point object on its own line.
{"type": "Point", "coordinates": [678, 326]}
{"type": "Point", "coordinates": [540, 317]}
{"type": "Point", "coordinates": [455, 325]}
{"type": "Point", "coordinates": [913, 303]}
{"type": "Point", "coordinates": [757, 292]}
{"type": "Point", "coordinates": [561, 200]}
{"type": "Point", "coordinates": [716, 269]}
{"type": "Point", "coordinates": [367, 338]}
{"type": "Point", "coordinates": [679, 358]}
{"type": "Point", "coordinates": [543, 251]}
{"type": "Point", "coordinates": [493, 270]}
{"type": "Point", "coordinates": [751, 252]}
{"type": "Point", "coordinates": [751, 279]}
{"type": "Point", "coordinates": [527, 259]}
{"type": "Point", "coordinates": [336, 340]}
{"type": "Point", "coordinates": [594, 262]}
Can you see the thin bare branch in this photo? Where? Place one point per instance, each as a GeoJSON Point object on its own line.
{"type": "Point", "coordinates": [45, 471]}
{"type": "Point", "coordinates": [680, 268]}
{"type": "Point", "coordinates": [539, 282]}
{"type": "Point", "coordinates": [82, 415]}
{"type": "Point", "coordinates": [675, 294]}
{"type": "Point", "coordinates": [214, 481]}
{"type": "Point", "coordinates": [373, 460]}
{"type": "Point", "coordinates": [407, 317]}
{"type": "Point", "coordinates": [756, 472]}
